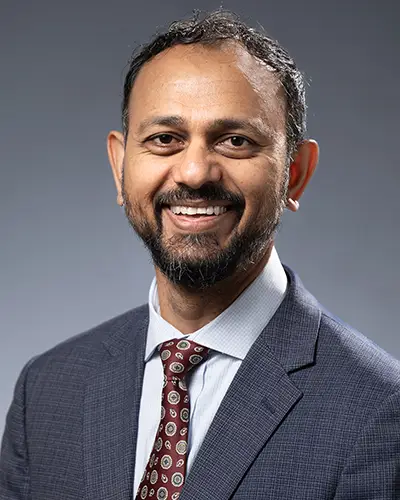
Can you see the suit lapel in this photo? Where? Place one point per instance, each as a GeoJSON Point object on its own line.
{"type": "Point", "coordinates": [258, 399]}
{"type": "Point", "coordinates": [111, 411]}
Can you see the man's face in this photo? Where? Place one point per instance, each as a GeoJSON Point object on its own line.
{"type": "Point", "coordinates": [205, 165]}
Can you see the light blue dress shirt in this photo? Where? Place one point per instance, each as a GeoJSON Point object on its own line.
{"type": "Point", "coordinates": [229, 337]}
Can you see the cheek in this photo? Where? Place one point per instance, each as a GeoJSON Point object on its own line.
{"type": "Point", "coordinates": [142, 180]}
{"type": "Point", "coordinates": [258, 184]}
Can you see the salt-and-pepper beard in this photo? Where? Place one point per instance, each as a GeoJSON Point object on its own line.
{"type": "Point", "coordinates": [172, 257]}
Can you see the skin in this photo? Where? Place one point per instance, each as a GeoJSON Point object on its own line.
{"type": "Point", "coordinates": [201, 85]}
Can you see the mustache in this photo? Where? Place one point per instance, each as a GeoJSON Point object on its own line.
{"type": "Point", "coordinates": [207, 192]}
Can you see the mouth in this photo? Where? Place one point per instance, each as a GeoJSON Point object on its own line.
{"type": "Point", "coordinates": [200, 216]}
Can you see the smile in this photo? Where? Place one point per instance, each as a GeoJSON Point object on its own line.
{"type": "Point", "coordinates": [190, 210]}
{"type": "Point", "coordinates": [198, 218]}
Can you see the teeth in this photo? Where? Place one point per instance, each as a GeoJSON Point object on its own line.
{"type": "Point", "coordinates": [201, 210]}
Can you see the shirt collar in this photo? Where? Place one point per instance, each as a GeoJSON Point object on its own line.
{"type": "Point", "coordinates": [230, 332]}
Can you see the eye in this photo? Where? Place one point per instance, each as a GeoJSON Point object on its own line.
{"type": "Point", "coordinates": [237, 141]}
{"type": "Point", "coordinates": [162, 139]}
{"type": "Point", "coordinates": [236, 146]}
{"type": "Point", "coordinates": [163, 144]}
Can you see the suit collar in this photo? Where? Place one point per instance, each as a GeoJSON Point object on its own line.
{"type": "Point", "coordinates": [129, 330]}
{"type": "Point", "coordinates": [292, 333]}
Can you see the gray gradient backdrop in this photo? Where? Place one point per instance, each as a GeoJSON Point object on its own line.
{"type": "Point", "coordinates": [68, 257]}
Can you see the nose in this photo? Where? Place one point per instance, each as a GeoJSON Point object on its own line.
{"type": "Point", "coordinates": [197, 167]}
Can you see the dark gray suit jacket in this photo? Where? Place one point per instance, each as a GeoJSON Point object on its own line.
{"type": "Point", "coordinates": [313, 413]}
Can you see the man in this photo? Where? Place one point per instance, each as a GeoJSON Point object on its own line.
{"type": "Point", "coordinates": [232, 382]}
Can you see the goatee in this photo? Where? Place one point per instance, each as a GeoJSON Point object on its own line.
{"type": "Point", "coordinates": [197, 261]}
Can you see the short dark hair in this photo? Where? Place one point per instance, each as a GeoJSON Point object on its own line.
{"type": "Point", "coordinates": [211, 29]}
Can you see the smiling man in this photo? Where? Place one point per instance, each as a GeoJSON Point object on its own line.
{"type": "Point", "coordinates": [232, 382]}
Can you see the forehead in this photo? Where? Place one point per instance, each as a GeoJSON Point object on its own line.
{"type": "Point", "coordinates": [200, 82]}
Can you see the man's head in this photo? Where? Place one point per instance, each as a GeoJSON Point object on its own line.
{"type": "Point", "coordinates": [213, 116]}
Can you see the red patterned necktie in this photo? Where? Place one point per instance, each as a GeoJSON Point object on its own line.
{"type": "Point", "coordinates": [165, 471]}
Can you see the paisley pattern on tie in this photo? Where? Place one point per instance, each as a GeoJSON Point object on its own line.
{"type": "Point", "coordinates": [165, 471]}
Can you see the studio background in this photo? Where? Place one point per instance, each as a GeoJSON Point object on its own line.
{"type": "Point", "coordinates": [68, 258]}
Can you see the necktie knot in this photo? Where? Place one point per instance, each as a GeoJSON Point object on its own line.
{"type": "Point", "coordinates": [180, 356]}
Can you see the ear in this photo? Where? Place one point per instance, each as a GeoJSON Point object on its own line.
{"type": "Point", "coordinates": [301, 170]}
{"type": "Point", "coordinates": [116, 153]}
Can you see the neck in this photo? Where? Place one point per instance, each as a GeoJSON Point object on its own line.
{"type": "Point", "coordinates": [188, 311]}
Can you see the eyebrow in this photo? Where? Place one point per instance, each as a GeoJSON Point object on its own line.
{"type": "Point", "coordinates": [164, 121]}
{"type": "Point", "coordinates": [255, 125]}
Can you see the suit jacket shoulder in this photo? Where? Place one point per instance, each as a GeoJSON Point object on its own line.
{"type": "Point", "coordinates": [91, 342]}
{"type": "Point", "coordinates": [79, 355]}
{"type": "Point", "coordinates": [356, 365]}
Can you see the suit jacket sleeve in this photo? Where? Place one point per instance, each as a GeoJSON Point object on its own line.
{"type": "Point", "coordinates": [14, 465]}
{"type": "Point", "coordinates": [373, 471]}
